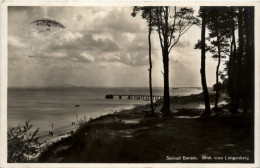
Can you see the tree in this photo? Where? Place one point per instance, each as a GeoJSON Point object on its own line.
{"type": "Point", "coordinates": [239, 61]}
{"type": "Point", "coordinates": [203, 57]}
{"type": "Point", "coordinates": [170, 27]}
{"type": "Point", "coordinates": [147, 14]}
{"type": "Point", "coordinates": [248, 91]}
{"type": "Point", "coordinates": [244, 67]}
{"type": "Point", "coordinates": [150, 60]}
{"type": "Point", "coordinates": [222, 24]}
{"type": "Point", "coordinates": [231, 65]}
{"type": "Point", "coordinates": [22, 143]}
{"type": "Point", "coordinates": [218, 37]}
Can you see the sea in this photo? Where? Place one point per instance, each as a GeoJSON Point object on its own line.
{"type": "Point", "coordinates": [56, 109]}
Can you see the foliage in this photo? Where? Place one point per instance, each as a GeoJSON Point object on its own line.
{"type": "Point", "coordinates": [170, 24]}
{"type": "Point", "coordinates": [22, 143]}
{"type": "Point", "coordinates": [231, 36]}
{"type": "Point", "coordinates": [221, 86]}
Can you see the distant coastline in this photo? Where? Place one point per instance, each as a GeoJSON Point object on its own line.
{"type": "Point", "coordinates": [43, 106]}
{"type": "Point", "coordinates": [82, 87]}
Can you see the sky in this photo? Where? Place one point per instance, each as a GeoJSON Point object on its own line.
{"type": "Point", "coordinates": [99, 47]}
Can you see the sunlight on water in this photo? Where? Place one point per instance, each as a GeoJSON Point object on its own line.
{"type": "Point", "coordinates": [57, 108]}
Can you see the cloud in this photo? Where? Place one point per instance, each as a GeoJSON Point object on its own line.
{"type": "Point", "coordinates": [113, 21]}
{"type": "Point", "coordinates": [101, 40]}
{"type": "Point", "coordinates": [69, 36]}
{"type": "Point", "coordinates": [58, 54]}
{"type": "Point", "coordinates": [17, 43]}
{"type": "Point", "coordinates": [110, 34]}
{"type": "Point", "coordinates": [87, 42]}
{"type": "Point", "coordinates": [85, 57]}
{"type": "Point", "coordinates": [79, 17]}
{"type": "Point", "coordinates": [112, 57]}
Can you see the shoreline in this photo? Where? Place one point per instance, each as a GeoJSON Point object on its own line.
{"type": "Point", "coordinates": [123, 136]}
{"type": "Point", "coordinates": [46, 138]}
{"type": "Point", "coordinates": [68, 130]}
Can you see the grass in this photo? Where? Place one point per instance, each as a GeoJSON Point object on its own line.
{"type": "Point", "coordinates": [110, 139]}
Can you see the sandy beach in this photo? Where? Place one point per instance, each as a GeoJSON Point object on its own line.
{"type": "Point", "coordinates": [127, 136]}
{"type": "Point", "coordinates": [54, 109]}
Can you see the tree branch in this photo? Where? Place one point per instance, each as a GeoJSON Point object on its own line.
{"type": "Point", "coordinates": [173, 26]}
{"type": "Point", "coordinates": [186, 30]}
{"type": "Point", "coordinates": [159, 27]}
{"type": "Point", "coordinates": [161, 20]}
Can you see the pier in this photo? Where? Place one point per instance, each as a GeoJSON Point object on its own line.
{"type": "Point", "coordinates": [142, 97]}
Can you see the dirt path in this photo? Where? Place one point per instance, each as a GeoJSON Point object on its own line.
{"type": "Point", "coordinates": [183, 137]}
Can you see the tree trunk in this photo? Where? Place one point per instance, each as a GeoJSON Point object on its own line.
{"type": "Point", "coordinates": [245, 71]}
{"type": "Point", "coordinates": [239, 60]}
{"type": "Point", "coordinates": [229, 73]}
{"type": "Point", "coordinates": [251, 75]}
{"type": "Point", "coordinates": [248, 87]}
{"type": "Point", "coordinates": [202, 70]}
{"type": "Point", "coordinates": [233, 74]}
{"type": "Point", "coordinates": [166, 102]}
{"type": "Point", "coordinates": [217, 70]}
{"type": "Point", "coordinates": [150, 63]}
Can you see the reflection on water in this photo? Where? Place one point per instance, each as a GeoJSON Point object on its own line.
{"type": "Point", "coordinates": [56, 109]}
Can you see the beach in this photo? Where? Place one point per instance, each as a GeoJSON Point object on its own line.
{"type": "Point", "coordinates": [128, 137]}
{"type": "Point", "coordinates": [54, 109]}
{"type": "Point", "coordinates": [125, 135]}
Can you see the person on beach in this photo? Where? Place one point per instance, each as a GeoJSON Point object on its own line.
{"type": "Point", "coordinates": [51, 133]}
{"type": "Point", "coordinates": [51, 125]}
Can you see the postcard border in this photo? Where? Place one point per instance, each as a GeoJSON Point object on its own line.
{"type": "Point", "coordinates": [4, 77]}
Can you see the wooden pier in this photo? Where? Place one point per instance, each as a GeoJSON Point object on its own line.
{"type": "Point", "coordinates": [142, 97]}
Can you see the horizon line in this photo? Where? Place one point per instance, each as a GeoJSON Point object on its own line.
{"type": "Point", "coordinates": [38, 87]}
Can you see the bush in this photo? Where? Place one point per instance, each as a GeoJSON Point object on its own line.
{"type": "Point", "coordinates": [22, 143]}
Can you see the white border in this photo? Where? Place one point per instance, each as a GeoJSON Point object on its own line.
{"type": "Point", "coordinates": [4, 63]}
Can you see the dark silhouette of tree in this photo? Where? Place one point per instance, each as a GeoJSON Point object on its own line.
{"type": "Point", "coordinates": [203, 57]}
{"type": "Point", "coordinates": [218, 37]}
{"type": "Point", "coordinates": [147, 14]}
{"type": "Point", "coordinates": [239, 62]}
{"type": "Point", "coordinates": [241, 57]}
{"type": "Point", "coordinates": [244, 88]}
{"type": "Point", "coordinates": [231, 64]}
{"type": "Point", "coordinates": [22, 143]}
{"type": "Point", "coordinates": [222, 23]}
{"type": "Point", "coordinates": [171, 25]}
{"type": "Point", "coordinates": [231, 36]}
{"type": "Point", "coordinates": [248, 91]}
